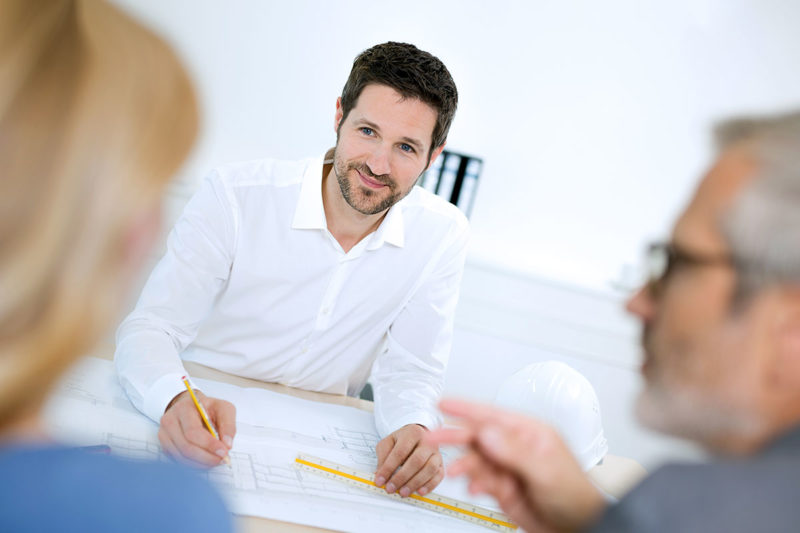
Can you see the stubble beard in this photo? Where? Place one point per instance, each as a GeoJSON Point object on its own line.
{"type": "Point", "coordinates": [364, 200]}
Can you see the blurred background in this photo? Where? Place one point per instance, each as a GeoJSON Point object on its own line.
{"type": "Point", "coordinates": [591, 120]}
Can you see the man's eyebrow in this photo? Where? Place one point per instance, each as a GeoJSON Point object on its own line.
{"type": "Point", "coordinates": [408, 140]}
{"type": "Point", "coordinates": [413, 142]}
{"type": "Point", "coordinates": [369, 124]}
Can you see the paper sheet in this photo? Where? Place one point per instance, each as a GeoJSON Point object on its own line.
{"type": "Point", "coordinates": [89, 407]}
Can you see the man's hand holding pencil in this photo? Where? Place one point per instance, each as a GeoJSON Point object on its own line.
{"type": "Point", "coordinates": [198, 429]}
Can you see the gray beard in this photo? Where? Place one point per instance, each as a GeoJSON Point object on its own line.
{"type": "Point", "coordinates": [691, 415]}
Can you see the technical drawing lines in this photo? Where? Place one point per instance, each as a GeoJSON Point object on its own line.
{"type": "Point", "coordinates": [360, 444]}
{"type": "Point", "coordinates": [134, 448]}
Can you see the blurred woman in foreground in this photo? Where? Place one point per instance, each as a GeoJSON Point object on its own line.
{"type": "Point", "coordinates": [96, 114]}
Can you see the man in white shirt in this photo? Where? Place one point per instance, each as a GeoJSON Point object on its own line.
{"type": "Point", "coordinates": [307, 272]}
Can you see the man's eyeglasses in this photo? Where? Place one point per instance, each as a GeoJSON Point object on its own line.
{"type": "Point", "coordinates": [663, 258]}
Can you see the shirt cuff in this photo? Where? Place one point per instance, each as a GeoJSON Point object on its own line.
{"type": "Point", "coordinates": [423, 418]}
{"type": "Point", "coordinates": [161, 393]}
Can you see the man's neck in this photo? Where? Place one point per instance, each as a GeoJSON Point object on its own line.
{"type": "Point", "coordinates": [745, 441]}
{"type": "Point", "coordinates": [347, 225]}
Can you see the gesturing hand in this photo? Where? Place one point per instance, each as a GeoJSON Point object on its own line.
{"type": "Point", "coordinates": [406, 464]}
{"type": "Point", "coordinates": [184, 436]}
{"type": "Point", "coordinates": [523, 464]}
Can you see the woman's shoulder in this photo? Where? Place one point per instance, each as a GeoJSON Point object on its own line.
{"type": "Point", "coordinates": [69, 489]}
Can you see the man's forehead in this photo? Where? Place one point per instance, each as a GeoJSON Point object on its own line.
{"type": "Point", "coordinates": [698, 226]}
{"type": "Point", "coordinates": [386, 107]}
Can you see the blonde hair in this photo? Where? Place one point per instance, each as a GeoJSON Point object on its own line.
{"type": "Point", "coordinates": [96, 114]}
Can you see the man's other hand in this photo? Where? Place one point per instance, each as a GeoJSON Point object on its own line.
{"type": "Point", "coordinates": [184, 436]}
{"type": "Point", "coordinates": [406, 464]}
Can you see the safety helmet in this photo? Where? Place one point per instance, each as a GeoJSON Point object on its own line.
{"type": "Point", "coordinates": [559, 395]}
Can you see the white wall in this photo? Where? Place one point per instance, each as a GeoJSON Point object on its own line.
{"type": "Point", "coordinates": [591, 117]}
{"type": "Point", "coordinates": [508, 319]}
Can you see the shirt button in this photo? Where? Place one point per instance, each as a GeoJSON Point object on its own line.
{"type": "Point", "coordinates": [326, 310]}
{"type": "Point", "coordinates": [304, 350]}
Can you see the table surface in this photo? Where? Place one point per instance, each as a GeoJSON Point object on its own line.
{"type": "Point", "coordinates": [254, 524]}
{"type": "Point", "coordinates": [615, 476]}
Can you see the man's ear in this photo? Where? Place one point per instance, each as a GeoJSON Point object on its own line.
{"type": "Point", "coordinates": [339, 114]}
{"type": "Point", "coordinates": [434, 154]}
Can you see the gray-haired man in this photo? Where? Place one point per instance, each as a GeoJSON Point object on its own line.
{"type": "Point", "coordinates": [721, 318]}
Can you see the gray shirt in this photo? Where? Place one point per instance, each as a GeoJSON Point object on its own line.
{"type": "Point", "coordinates": [760, 493]}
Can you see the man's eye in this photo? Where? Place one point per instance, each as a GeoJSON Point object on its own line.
{"type": "Point", "coordinates": [367, 131]}
{"type": "Point", "coordinates": [407, 148]}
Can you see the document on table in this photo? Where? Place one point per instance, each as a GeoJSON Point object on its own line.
{"type": "Point", "coordinates": [89, 407]}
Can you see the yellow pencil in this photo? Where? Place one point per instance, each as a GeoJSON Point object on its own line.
{"type": "Point", "coordinates": [204, 416]}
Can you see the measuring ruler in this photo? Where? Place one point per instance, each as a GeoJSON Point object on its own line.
{"type": "Point", "coordinates": [433, 502]}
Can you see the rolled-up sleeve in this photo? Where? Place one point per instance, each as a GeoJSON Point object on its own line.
{"type": "Point", "coordinates": [408, 376]}
{"type": "Point", "coordinates": [177, 298]}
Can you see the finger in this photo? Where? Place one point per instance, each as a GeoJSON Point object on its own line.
{"type": "Point", "coordinates": [507, 492]}
{"type": "Point", "coordinates": [172, 449]}
{"type": "Point", "coordinates": [456, 436]}
{"type": "Point", "coordinates": [194, 441]}
{"type": "Point", "coordinates": [397, 455]}
{"type": "Point", "coordinates": [510, 497]}
{"type": "Point", "coordinates": [465, 409]}
{"type": "Point", "coordinates": [167, 446]}
{"type": "Point", "coordinates": [223, 416]}
{"type": "Point", "coordinates": [422, 476]}
{"type": "Point", "coordinates": [194, 453]}
{"type": "Point", "coordinates": [168, 428]}
{"type": "Point", "coordinates": [464, 464]}
{"type": "Point", "coordinates": [477, 478]}
{"type": "Point", "coordinates": [477, 469]}
{"type": "Point", "coordinates": [409, 467]}
{"type": "Point", "coordinates": [382, 451]}
{"type": "Point", "coordinates": [473, 413]}
{"type": "Point", "coordinates": [519, 449]}
{"type": "Point", "coordinates": [194, 430]}
{"type": "Point", "coordinates": [432, 483]}
{"type": "Point", "coordinates": [527, 516]}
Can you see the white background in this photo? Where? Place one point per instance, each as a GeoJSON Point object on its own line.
{"type": "Point", "coordinates": [592, 119]}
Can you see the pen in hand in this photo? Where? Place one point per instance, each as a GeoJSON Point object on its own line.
{"type": "Point", "coordinates": [204, 416]}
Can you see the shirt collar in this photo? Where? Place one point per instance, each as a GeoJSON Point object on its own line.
{"type": "Point", "coordinates": [391, 230]}
{"type": "Point", "coordinates": [310, 213]}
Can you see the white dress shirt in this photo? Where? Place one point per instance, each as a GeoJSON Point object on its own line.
{"type": "Point", "coordinates": [254, 284]}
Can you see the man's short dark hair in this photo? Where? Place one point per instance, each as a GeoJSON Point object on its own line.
{"type": "Point", "coordinates": [411, 72]}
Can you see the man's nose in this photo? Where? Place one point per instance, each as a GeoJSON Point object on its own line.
{"type": "Point", "coordinates": [378, 160]}
{"type": "Point", "coordinates": [642, 303]}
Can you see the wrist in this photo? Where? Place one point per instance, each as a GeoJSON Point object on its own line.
{"type": "Point", "coordinates": [592, 507]}
{"type": "Point", "coordinates": [174, 400]}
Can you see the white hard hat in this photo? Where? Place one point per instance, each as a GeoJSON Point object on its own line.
{"type": "Point", "coordinates": [559, 395]}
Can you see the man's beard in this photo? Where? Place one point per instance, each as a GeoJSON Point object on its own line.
{"type": "Point", "coordinates": [364, 200]}
{"type": "Point", "coordinates": [686, 410]}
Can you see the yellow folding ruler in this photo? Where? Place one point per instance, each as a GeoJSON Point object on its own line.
{"type": "Point", "coordinates": [433, 502]}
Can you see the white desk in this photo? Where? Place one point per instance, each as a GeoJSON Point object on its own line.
{"type": "Point", "coordinates": [616, 475]}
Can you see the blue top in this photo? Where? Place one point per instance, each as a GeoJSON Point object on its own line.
{"type": "Point", "coordinates": [53, 488]}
